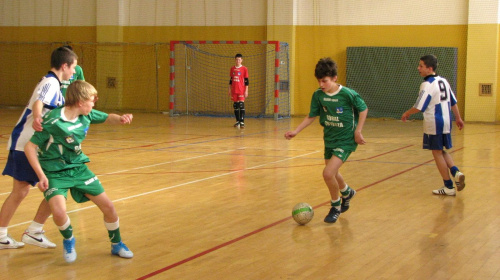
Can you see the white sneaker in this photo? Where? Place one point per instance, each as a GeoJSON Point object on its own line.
{"type": "Point", "coordinates": [120, 249]}
{"type": "Point", "coordinates": [460, 180]}
{"type": "Point", "coordinates": [445, 191]}
{"type": "Point", "coordinates": [9, 243]}
{"type": "Point", "coordinates": [69, 250]}
{"type": "Point", "coordinates": [37, 239]}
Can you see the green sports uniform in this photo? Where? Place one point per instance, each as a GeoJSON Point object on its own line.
{"type": "Point", "coordinates": [77, 76]}
{"type": "Point", "coordinates": [61, 156]}
{"type": "Point", "coordinates": [338, 114]}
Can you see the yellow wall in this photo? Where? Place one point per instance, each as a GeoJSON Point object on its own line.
{"type": "Point", "coordinates": [314, 42]}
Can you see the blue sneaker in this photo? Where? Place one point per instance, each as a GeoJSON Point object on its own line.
{"type": "Point", "coordinates": [120, 249]}
{"type": "Point", "coordinates": [69, 249]}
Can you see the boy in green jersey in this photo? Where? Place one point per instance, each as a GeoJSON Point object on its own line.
{"type": "Point", "coordinates": [56, 156]}
{"type": "Point", "coordinates": [342, 113]}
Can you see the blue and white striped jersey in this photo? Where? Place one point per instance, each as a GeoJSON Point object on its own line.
{"type": "Point", "coordinates": [435, 100]}
{"type": "Point", "coordinates": [48, 90]}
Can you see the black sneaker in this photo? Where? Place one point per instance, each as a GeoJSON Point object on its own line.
{"type": "Point", "coordinates": [344, 206]}
{"type": "Point", "coordinates": [237, 124]}
{"type": "Point", "coordinates": [242, 125]}
{"type": "Point", "coordinates": [332, 216]}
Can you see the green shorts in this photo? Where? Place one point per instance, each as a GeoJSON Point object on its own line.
{"type": "Point", "coordinates": [342, 153]}
{"type": "Point", "coordinates": [79, 180]}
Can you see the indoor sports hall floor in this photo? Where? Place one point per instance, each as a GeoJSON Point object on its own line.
{"type": "Point", "coordinates": [199, 199]}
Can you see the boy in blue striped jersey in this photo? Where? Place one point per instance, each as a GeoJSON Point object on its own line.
{"type": "Point", "coordinates": [436, 100]}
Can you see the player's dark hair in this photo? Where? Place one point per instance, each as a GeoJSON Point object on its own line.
{"type": "Point", "coordinates": [238, 55]}
{"type": "Point", "coordinates": [69, 47]}
{"type": "Point", "coordinates": [60, 56]}
{"type": "Point", "coordinates": [325, 67]}
{"type": "Point", "coordinates": [430, 60]}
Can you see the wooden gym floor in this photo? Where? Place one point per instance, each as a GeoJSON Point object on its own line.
{"type": "Point", "coordinates": [199, 199]}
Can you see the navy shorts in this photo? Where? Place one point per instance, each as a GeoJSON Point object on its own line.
{"type": "Point", "coordinates": [437, 142]}
{"type": "Point", "coordinates": [19, 168]}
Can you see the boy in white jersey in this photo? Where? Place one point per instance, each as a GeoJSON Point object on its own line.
{"type": "Point", "coordinates": [56, 156]}
{"type": "Point", "coordinates": [342, 113]}
{"type": "Point", "coordinates": [435, 101]}
{"type": "Point", "coordinates": [46, 96]}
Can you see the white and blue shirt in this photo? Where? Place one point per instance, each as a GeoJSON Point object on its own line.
{"type": "Point", "coordinates": [48, 91]}
{"type": "Point", "coordinates": [435, 101]}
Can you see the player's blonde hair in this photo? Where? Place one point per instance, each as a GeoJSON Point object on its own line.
{"type": "Point", "coordinates": [79, 91]}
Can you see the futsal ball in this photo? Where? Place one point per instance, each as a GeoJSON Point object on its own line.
{"type": "Point", "coordinates": [302, 213]}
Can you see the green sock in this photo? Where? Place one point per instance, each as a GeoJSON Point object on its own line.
{"type": "Point", "coordinates": [345, 191]}
{"type": "Point", "coordinates": [336, 203]}
{"type": "Point", "coordinates": [67, 233]}
{"type": "Point", "coordinates": [114, 235]}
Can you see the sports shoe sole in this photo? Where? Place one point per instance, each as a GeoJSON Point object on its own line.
{"type": "Point", "coordinates": [461, 182]}
{"type": "Point", "coordinates": [442, 192]}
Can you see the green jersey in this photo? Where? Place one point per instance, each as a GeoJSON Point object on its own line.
{"type": "Point", "coordinates": [77, 76]}
{"type": "Point", "coordinates": [60, 141]}
{"type": "Point", "coordinates": [338, 114]}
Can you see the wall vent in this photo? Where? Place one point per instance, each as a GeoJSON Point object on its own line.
{"type": "Point", "coordinates": [111, 82]}
{"type": "Point", "coordinates": [485, 89]}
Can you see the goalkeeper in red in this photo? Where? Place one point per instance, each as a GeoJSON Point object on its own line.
{"type": "Point", "coordinates": [56, 156]}
{"type": "Point", "coordinates": [342, 113]}
{"type": "Point", "coordinates": [238, 89]}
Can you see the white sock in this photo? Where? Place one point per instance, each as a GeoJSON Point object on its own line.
{"type": "Point", "coordinates": [3, 232]}
{"type": "Point", "coordinates": [112, 226]}
{"type": "Point", "coordinates": [35, 227]}
{"type": "Point", "coordinates": [345, 189]}
{"type": "Point", "coordinates": [66, 225]}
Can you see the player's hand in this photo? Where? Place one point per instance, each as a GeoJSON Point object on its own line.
{"type": "Point", "coordinates": [246, 94]}
{"type": "Point", "coordinates": [460, 124]}
{"type": "Point", "coordinates": [405, 117]}
{"type": "Point", "coordinates": [37, 124]}
{"type": "Point", "coordinates": [43, 184]}
{"type": "Point", "coordinates": [290, 134]}
{"type": "Point", "coordinates": [126, 119]}
{"type": "Point", "coordinates": [358, 137]}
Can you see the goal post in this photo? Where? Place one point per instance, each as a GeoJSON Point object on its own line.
{"type": "Point", "coordinates": [199, 78]}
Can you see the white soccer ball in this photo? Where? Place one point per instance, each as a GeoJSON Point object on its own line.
{"type": "Point", "coordinates": [302, 213]}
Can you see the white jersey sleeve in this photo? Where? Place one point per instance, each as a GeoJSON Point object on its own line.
{"type": "Point", "coordinates": [48, 90]}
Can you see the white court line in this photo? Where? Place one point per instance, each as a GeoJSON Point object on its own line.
{"type": "Point", "coordinates": [179, 185]}
{"type": "Point", "coordinates": [147, 166]}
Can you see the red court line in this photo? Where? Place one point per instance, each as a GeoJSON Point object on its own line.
{"type": "Point", "coordinates": [270, 226]}
{"type": "Point", "coordinates": [145, 146]}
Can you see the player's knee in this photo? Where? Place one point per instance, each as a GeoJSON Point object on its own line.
{"type": "Point", "coordinates": [242, 105]}
{"type": "Point", "coordinates": [235, 105]}
{"type": "Point", "coordinates": [328, 175]}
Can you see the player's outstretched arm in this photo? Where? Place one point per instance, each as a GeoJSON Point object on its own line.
{"type": "Point", "coordinates": [117, 119]}
{"type": "Point", "coordinates": [305, 123]}
{"type": "Point", "coordinates": [408, 113]}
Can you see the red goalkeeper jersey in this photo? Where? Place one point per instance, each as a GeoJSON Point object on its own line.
{"type": "Point", "coordinates": [238, 75]}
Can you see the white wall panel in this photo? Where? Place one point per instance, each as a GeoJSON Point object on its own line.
{"type": "Point", "coordinates": [245, 12]}
{"type": "Point", "coordinates": [381, 12]}
{"type": "Point", "coordinates": [483, 11]}
{"type": "Point", "coordinates": [48, 13]}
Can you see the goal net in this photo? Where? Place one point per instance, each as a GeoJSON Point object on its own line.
{"type": "Point", "coordinates": [387, 77]}
{"type": "Point", "coordinates": [199, 79]}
